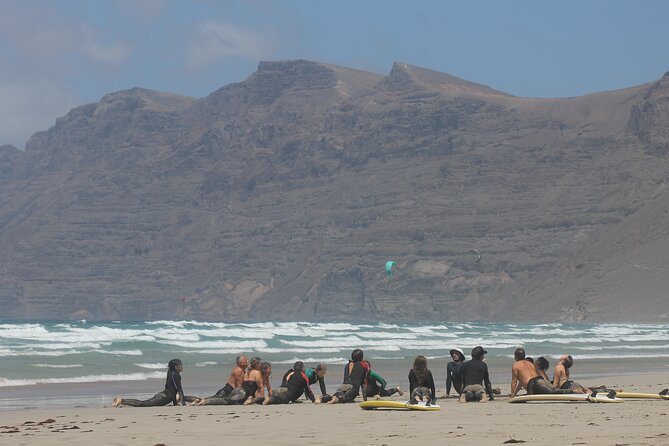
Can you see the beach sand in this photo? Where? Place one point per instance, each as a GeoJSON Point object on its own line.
{"type": "Point", "coordinates": [492, 423]}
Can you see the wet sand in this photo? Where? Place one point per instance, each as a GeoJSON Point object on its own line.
{"type": "Point", "coordinates": [493, 423]}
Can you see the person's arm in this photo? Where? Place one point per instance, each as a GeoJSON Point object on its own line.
{"type": "Point", "coordinates": [486, 381]}
{"type": "Point", "coordinates": [321, 382]}
{"type": "Point", "coordinates": [413, 382]}
{"type": "Point", "coordinates": [378, 378]}
{"type": "Point", "coordinates": [176, 378]}
{"type": "Point", "coordinates": [449, 371]}
{"type": "Point", "coordinates": [514, 381]}
{"type": "Point", "coordinates": [463, 377]}
{"type": "Point", "coordinates": [432, 387]}
{"type": "Point", "coordinates": [307, 389]}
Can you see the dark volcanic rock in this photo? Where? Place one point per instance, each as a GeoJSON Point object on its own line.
{"type": "Point", "coordinates": [281, 198]}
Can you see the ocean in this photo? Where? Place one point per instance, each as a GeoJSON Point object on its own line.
{"type": "Point", "coordinates": [86, 363]}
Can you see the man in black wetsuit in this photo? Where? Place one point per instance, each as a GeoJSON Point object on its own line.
{"type": "Point", "coordinates": [475, 377]}
{"type": "Point", "coordinates": [294, 384]}
{"type": "Point", "coordinates": [169, 395]}
{"type": "Point", "coordinates": [355, 377]}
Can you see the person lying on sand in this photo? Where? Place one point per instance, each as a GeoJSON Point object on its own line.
{"type": "Point", "coordinates": [172, 392]}
{"type": "Point", "coordinates": [234, 380]}
{"type": "Point", "coordinates": [376, 385]}
{"type": "Point", "coordinates": [355, 376]}
{"type": "Point", "coordinates": [295, 383]}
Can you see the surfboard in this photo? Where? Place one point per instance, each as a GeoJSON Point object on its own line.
{"type": "Point", "coordinates": [643, 396]}
{"type": "Point", "coordinates": [599, 398]}
{"type": "Point", "coordinates": [380, 404]}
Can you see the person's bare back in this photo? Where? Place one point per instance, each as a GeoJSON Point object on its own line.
{"type": "Point", "coordinates": [521, 373]}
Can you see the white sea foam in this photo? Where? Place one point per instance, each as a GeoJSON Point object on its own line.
{"type": "Point", "coordinates": [218, 344]}
{"type": "Point", "coordinates": [335, 360]}
{"type": "Point", "coordinates": [155, 366]}
{"type": "Point", "coordinates": [59, 366]}
{"type": "Point", "coordinates": [81, 379]}
{"type": "Point", "coordinates": [205, 363]}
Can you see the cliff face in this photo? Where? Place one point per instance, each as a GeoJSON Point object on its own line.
{"type": "Point", "coordinates": [281, 198]}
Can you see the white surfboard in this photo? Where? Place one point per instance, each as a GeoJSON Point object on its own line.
{"type": "Point", "coordinates": [599, 398]}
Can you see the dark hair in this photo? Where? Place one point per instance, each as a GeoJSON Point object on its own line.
{"type": "Point", "coordinates": [420, 368]}
{"type": "Point", "coordinates": [298, 367]}
{"type": "Point", "coordinates": [478, 352]}
{"type": "Point", "coordinates": [569, 362]}
{"type": "Point", "coordinates": [528, 359]}
{"type": "Point", "coordinates": [519, 354]}
{"type": "Point", "coordinates": [356, 355]}
{"type": "Point", "coordinates": [172, 365]}
{"type": "Point", "coordinates": [542, 363]}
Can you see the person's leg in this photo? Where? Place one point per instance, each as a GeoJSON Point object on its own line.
{"type": "Point", "coordinates": [159, 399]}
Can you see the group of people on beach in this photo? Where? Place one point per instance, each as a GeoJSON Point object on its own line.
{"type": "Point", "coordinates": [249, 382]}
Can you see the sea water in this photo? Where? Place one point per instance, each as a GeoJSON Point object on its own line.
{"type": "Point", "coordinates": [43, 359]}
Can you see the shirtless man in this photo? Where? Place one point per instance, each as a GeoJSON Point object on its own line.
{"type": "Point", "coordinates": [524, 374]}
{"type": "Point", "coordinates": [234, 380]}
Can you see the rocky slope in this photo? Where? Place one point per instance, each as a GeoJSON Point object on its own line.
{"type": "Point", "coordinates": [281, 198]}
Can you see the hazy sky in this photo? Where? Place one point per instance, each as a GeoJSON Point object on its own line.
{"type": "Point", "coordinates": [57, 54]}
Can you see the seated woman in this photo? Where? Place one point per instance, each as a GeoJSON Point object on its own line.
{"type": "Point", "coordinates": [295, 383]}
{"type": "Point", "coordinates": [421, 383]}
{"type": "Point", "coordinates": [376, 385]}
{"type": "Point", "coordinates": [172, 390]}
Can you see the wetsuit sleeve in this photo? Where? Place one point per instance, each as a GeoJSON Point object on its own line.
{"type": "Point", "coordinates": [376, 377]}
{"type": "Point", "coordinates": [449, 372]}
{"type": "Point", "coordinates": [321, 382]}
{"type": "Point", "coordinates": [413, 382]}
{"type": "Point", "coordinates": [432, 388]}
{"type": "Point", "coordinates": [463, 375]}
{"type": "Point", "coordinates": [307, 389]}
{"type": "Point", "coordinates": [176, 379]}
{"type": "Point", "coordinates": [486, 381]}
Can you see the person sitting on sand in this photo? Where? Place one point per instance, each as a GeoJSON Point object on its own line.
{"type": "Point", "coordinates": [454, 371]}
{"type": "Point", "coordinates": [561, 376]}
{"type": "Point", "coordinates": [355, 376]}
{"type": "Point", "coordinates": [314, 375]}
{"type": "Point", "coordinates": [541, 365]}
{"type": "Point", "coordinates": [295, 383]}
{"type": "Point", "coordinates": [172, 390]}
{"type": "Point", "coordinates": [524, 375]}
{"type": "Point", "coordinates": [376, 385]}
{"type": "Point", "coordinates": [234, 380]}
{"type": "Point", "coordinates": [252, 382]}
{"type": "Point", "coordinates": [421, 382]}
{"type": "Point", "coordinates": [475, 377]}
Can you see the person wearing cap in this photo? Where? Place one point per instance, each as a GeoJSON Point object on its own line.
{"type": "Point", "coordinates": [474, 377]}
{"type": "Point", "coordinates": [454, 371]}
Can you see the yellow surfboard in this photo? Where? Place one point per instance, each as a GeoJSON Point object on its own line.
{"type": "Point", "coordinates": [642, 396]}
{"type": "Point", "coordinates": [381, 404]}
{"type": "Point", "coordinates": [599, 398]}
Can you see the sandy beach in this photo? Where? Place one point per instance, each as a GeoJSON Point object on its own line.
{"type": "Point", "coordinates": [496, 422]}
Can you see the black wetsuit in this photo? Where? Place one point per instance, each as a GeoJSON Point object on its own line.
{"type": "Point", "coordinates": [353, 380]}
{"type": "Point", "coordinates": [169, 395]}
{"type": "Point", "coordinates": [293, 386]}
{"type": "Point", "coordinates": [426, 382]}
{"type": "Point", "coordinates": [539, 386]}
{"type": "Point", "coordinates": [454, 376]}
{"type": "Point", "coordinates": [476, 372]}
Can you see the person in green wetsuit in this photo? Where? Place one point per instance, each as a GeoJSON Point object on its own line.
{"type": "Point", "coordinates": [376, 385]}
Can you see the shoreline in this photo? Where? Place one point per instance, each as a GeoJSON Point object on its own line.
{"type": "Point", "coordinates": [633, 422]}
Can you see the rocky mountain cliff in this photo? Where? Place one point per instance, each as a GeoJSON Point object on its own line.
{"type": "Point", "coordinates": [282, 197]}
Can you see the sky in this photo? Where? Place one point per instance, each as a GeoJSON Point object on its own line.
{"type": "Point", "coordinates": [58, 54]}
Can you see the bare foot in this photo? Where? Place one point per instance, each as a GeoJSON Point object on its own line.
{"type": "Point", "coordinates": [317, 400]}
{"type": "Point", "coordinates": [266, 402]}
{"type": "Point", "coordinates": [484, 398]}
{"type": "Point", "coordinates": [399, 391]}
{"type": "Point", "coordinates": [463, 398]}
{"type": "Point", "coordinates": [118, 402]}
{"type": "Point", "coordinates": [248, 402]}
{"type": "Point", "coordinates": [333, 400]}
